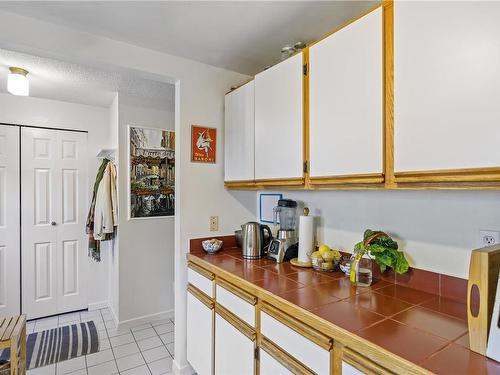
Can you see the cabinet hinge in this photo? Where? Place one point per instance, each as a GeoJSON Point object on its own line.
{"type": "Point", "coordinates": [256, 353]}
{"type": "Point", "coordinates": [304, 69]}
{"type": "Point", "coordinates": [306, 166]}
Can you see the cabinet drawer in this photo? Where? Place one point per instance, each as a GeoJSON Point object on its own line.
{"type": "Point", "coordinates": [239, 302]}
{"type": "Point", "coordinates": [308, 346]}
{"type": "Point", "coordinates": [201, 278]}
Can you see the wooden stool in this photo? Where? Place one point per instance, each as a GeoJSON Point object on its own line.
{"type": "Point", "coordinates": [13, 336]}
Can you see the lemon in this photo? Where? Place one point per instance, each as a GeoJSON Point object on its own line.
{"type": "Point", "coordinates": [328, 256]}
{"type": "Point", "coordinates": [323, 248]}
{"type": "Point", "coordinates": [316, 254]}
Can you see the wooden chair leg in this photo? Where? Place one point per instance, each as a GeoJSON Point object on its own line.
{"type": "Point", "coordinates": [13, 358]}
{"type": "Point", "coordinates": [22, 365]}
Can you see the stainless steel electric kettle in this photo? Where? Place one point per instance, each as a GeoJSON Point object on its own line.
{"type": "Point", "coordinates": [254, 239]}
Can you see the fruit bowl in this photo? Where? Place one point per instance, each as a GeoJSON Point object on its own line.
{"type": "Point", "coordinates": [212, 246]}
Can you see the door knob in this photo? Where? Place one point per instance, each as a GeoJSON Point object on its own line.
{"type": "Point", "coordinates": [53, 223]}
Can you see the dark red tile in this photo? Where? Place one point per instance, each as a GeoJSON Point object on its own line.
{"type": "Point", "coordinates": [348, 316]}
{"type": "Point", "coordinates": [277, 284]}
{"type": "Point", "coordinates": [310, 277]}
{"type": "Point", "coordinates": [454, 288]}
{"type": "Point", "coordinates": [447, 306]}
{"type": "Point", "coordinates": [433, 322]}
{"type": "Point", "coordinates": [457, 360]}
{"type": "Point", "coordinates": [379, 303]}
{"type": "Point", "coordinates": [285, 268]}
{"type": "Point", "coordinates": [342, 288]}
{"type": "Point", "coordinates": [262, 262]}
{"type": "Point", "coordinates": [308, 297]}
{"type": "Point", "coordinates": [409, 343]}
{"type": "Point", "coordinates": [463, 341]}
{"type": "Point", "coordinates": [419, 279]}
{"type": "Point", "coordinates": [406, 294]}
{"type": "Point", "coordinates": [252, 273]}
{"type": "Point", "coordinates": [388, 275]}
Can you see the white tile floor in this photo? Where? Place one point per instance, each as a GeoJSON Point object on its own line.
{"type": "Point", "coordinates": [146, 349]}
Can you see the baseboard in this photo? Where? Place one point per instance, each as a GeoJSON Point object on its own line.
{"type": "Point", "coordinates": [98, 305]}
{"type": "Point", "coordinates": [185, 369]}
{"type": "Point", "coordinates": [168, 314]}
{"type": "Point", "coordinates": [113, 315]}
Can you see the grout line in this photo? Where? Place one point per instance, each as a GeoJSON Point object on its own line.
{"type": "Point", "coordinates": [140, 351]}
{"type": "Point", "coordinates": [110, 346]}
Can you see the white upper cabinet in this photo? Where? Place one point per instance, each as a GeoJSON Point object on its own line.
{"type": "Point", "coordinates": [346, 100]}
{"type": "Point", "coordinates": [446, 85]}
{"type": "Point", "coordinates": [279, 121]}
{"type": "Point", "coordinates": [239, 134]}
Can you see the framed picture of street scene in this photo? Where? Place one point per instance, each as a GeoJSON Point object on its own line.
{"type": "Point", "coordinates": [152, 172]}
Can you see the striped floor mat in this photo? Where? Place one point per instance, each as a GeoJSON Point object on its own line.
{"type": "Point", "coordinates": [59, 344]}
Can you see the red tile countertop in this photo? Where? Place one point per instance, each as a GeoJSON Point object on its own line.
{"type": "Point", "coordinates": [421, 327]}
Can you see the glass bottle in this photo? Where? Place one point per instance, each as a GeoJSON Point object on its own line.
{"type": "Point", "coordinates": [361, 270]}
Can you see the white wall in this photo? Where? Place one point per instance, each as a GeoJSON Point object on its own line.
{"type": "Point", "coordinates": [201, 88]}
{"type": "Point", "coordinates": [114, 265]}
{"type": "Point", "coordinates": [146, 245]}
{"type": "Point", "coordinates": [436, 229]}
{"type": "Point", "coordinates": [56, 114]}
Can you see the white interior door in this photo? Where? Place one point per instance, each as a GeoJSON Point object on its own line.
{"type": "Point", "coordinates": [54, 197]}
{"type": "Point", "coordinates": [10, 287]}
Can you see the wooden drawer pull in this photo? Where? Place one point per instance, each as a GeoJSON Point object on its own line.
{"type": "Point", "coordinates": [282, 357]}
{"type": "Point", "coordinates": [303, 329]}
{"type": "Point", "coordinates": [235, 322]}
{"type": "Point", "coordinates": [362, 363]}
{"type": "Point", "coordinates": [237, 291]}
{"type": "Point", "coordinates": [209, 275]}
{"type": "Point", "coordinates": [206, 300]}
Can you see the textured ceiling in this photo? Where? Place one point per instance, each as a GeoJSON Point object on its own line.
{"type": "Point", "coordinates": [52, 79]}
{"type": "Point", "coordinates": [243, 36]}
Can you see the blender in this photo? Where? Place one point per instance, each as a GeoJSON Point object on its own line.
{"type": "Point", "coordinates": [285, 246]}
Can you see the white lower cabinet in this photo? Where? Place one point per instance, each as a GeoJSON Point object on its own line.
{"type": "Point", "coordinates": [270, 366]}
{"type": "Point", "coordinates": [348, 369]}
{"type": "Point", "coordinates": [234, 351]}
{"type": "Point", "coordinates": [295, 344]}
{"type": "Point", "coordinates": [200, 335]}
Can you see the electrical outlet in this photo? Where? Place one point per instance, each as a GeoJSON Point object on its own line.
{"type": "Point", "coordinates": [489, 237]}
{"type": "Point", "coordinates": [214, 223]}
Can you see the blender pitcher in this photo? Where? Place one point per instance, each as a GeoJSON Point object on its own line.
{"type": "Point", "coordinates": [287, 211]}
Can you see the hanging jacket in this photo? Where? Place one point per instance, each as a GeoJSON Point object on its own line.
{"type": "Point", "coordinates": [106, 205]}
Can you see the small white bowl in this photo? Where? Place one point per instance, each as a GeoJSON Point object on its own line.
{"type": "Point", "coordinates": [212, 246]}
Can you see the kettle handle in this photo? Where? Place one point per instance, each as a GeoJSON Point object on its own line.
{"type": "Point", "coordinates": [265, 228]}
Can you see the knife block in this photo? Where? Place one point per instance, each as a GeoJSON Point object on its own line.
{"type": "Point", "coordinates": [481, 290]}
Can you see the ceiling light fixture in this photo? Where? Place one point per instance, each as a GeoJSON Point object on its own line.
{"type": "Point", "coordinates": [17, 81]}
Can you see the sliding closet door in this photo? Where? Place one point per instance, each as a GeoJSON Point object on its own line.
{"type": "Point", "coordinates": [10, 288]}
{"type": "Point", "coordinates": [54, 203]}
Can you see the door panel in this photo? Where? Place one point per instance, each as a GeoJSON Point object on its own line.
{"type": "Point", "coordinates": [44, 283]}
{"type": "Point", "coordinates": [9, 221]}
{"type": "Point", "coordinates": [54, 198]}
{"type": "Point", "coordinates": [239, 134]}
{"type": "Point", "coordinates": [72, 205]}
{"type": "Point", "coordinates": [345, 100]}
{"type": "Point", "coordinates": [234, 352]}
{"type": "Point", "coordinates": [279, 121]}
{"type": "Point", "coordinates": [199, 336]}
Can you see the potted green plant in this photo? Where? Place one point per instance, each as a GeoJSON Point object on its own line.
{"type": "Point", "coordinates": [383, 248]}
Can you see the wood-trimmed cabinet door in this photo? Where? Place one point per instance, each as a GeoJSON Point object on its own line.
{"type": "Point", "coordinates": [346, 104]}
{"type": "Point", "coordinates": [239, 135]}
{"type": "Point", "coordinates": [200, 332]}
{"type": "Point", "coordinates": [447, 91]}
{"type": "Point", "coordinates": [10, 247]}
{"type": "Point", "coordinates": [279, 121]}
{"type": "Point", "coordinates": [234, 350]}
